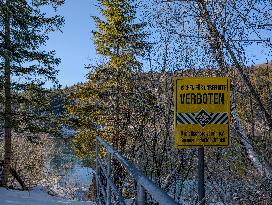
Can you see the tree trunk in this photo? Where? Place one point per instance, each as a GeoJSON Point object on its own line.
{"type": "Point", "coordinates": [219, 41]}
{"type": "Point", "coordinates": [262, 168]}
{"type": "Point", "coordinates": [18, 178]}
{"type": "Point", "coordinates": [7, 104]}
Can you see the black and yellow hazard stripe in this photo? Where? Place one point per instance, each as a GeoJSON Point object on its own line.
{"type": "Point", "coordinates": [191, 118]}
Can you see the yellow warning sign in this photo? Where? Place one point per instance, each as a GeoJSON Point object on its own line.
{"type": "Point", "coordinates": [202, 112]}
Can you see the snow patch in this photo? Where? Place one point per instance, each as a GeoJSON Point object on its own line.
{"type": "Point", "coordinates": [36, 197]}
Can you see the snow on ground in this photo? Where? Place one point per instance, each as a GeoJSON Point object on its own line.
{"type": "Point", "coordinates": [35, 197]}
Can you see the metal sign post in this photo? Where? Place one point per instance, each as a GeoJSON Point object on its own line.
{"type": "Point", "coordinates": [201, 180]}
{"type": "Point", "coordinates": [202, 116]}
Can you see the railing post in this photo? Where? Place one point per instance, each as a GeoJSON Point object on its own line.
{"type": "Point", "coordinates": [97, 174]}
{"type": "Point", "coordinates": [140, 198]}
{"type": "Point", "coordinates": [108, 200]}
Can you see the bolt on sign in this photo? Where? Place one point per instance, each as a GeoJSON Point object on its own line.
{"type": "Point", "coordinates": [202, 112]}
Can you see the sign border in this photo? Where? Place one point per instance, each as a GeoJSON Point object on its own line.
{"type": "Point", "coordinates": [176, 79]}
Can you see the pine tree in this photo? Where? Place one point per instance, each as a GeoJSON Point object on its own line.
{"type": "Point", "coordinates": [25, 68]}
{"type": "Point", "coordinates": [104, 104]}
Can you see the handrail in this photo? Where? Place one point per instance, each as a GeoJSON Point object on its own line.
{"type": "Point", "coordinates": [143, 182]}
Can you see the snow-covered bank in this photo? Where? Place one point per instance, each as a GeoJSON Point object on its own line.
{"type": "Point", "coordinates": [35, 197]}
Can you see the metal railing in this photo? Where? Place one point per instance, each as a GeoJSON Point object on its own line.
{"type": "Point", "coordinates": [144, 184]}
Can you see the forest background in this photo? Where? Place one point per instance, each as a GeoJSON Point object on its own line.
{"type": "Point", "coordinates": [127, 98]}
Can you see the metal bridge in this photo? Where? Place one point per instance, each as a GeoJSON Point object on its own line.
{"type": "Point", "coordinates": [107, 191]}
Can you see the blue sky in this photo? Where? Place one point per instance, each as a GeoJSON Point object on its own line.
{"type": "Point", "coordinates": [74, 46]}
